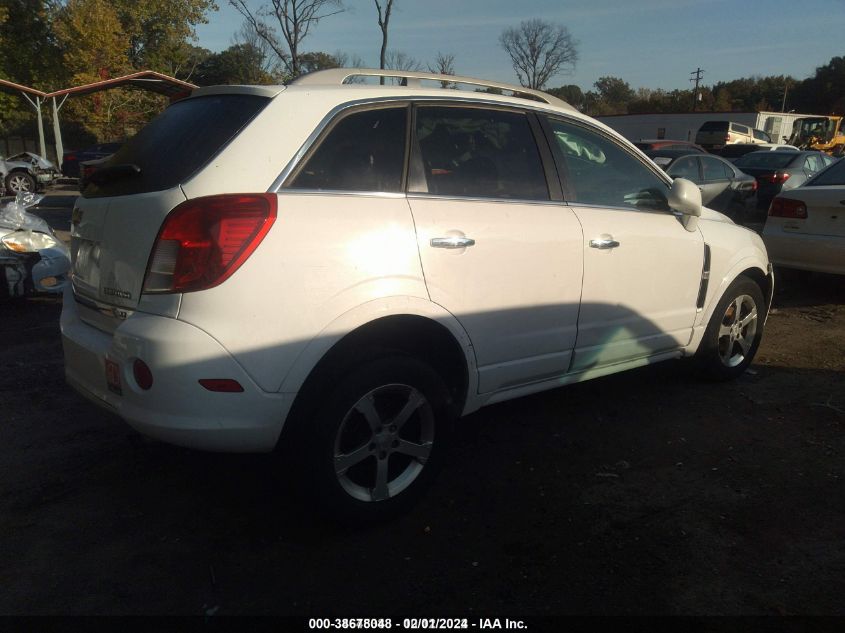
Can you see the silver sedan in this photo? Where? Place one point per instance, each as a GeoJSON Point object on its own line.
{"type": "Point", "coordinates": [723, 187]}
{"type": "Point", "coordinates": [805, 228]}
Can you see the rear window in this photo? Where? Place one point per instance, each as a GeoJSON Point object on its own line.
{"type": "Point", "coordinates": [766, 160]}
{"type": "Point", "coordinates": [732, 151]}
{"type": "Point", "coordinates": [833, 175]}
{"type": "Point", "coordinates": [177, 143]}
{"type": "Point", "coordinates": [714, 126]}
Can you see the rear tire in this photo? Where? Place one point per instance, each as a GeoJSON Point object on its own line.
{"type": "Point", "coordinates": [734, 332]}
{"type": "Point", "coordinates": [373, 446]}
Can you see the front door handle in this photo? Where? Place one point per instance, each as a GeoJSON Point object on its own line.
{"type": "Point", "coordinates": [604, 243]}
{"type": "Point", "coordinates": [451, 242]}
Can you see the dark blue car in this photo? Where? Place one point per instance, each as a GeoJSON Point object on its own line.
{"type": "Point", "coordinates": [72, 159]}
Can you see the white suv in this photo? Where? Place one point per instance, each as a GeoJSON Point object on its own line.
{"type": "Point", "coordinates": [342, 269]}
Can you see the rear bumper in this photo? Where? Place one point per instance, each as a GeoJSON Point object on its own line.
{"type": "Point", "coordinates": [176, 409]}
{"type": "Point", "coordinates": [818, 253]}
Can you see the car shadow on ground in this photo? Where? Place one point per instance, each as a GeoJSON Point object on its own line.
{"type": "Point", "coordinates": [643, 492]}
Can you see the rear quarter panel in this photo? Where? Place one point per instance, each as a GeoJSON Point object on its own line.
{"type": "Point", "coordinates": [325, 255]}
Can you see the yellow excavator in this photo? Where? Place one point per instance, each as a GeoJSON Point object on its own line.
{"type": "Point", "coordinates": [823, 133]}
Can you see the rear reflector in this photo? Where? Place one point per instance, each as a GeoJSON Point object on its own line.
{"type": "Point", "coordinates": [787, 208]}
{"type": "Point", "coordinates": [204, 240]}
{"type": "Point", "coordinates": [143, 374]}
{"type": "Point", "coordinates": [226, 385]}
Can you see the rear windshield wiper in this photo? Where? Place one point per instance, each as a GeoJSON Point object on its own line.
{"type": "Point", "coordinates": [114, 172]}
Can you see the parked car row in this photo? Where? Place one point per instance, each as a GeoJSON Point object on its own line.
{"type": "Point", "coordinates": [741, 176]}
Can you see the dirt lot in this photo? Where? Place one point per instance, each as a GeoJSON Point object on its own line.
{"type": "Point", "coordinates": [642, 493]}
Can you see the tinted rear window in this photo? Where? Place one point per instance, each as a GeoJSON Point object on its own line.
{"type": "Point", "coordinates": [732, 151]}
{"type": "Point", "coordinates": [714, 126]}
{"type": "Point", "coordinates": [178, 142]}
{"type": "Point", "coordinates": [834, 175]}
{"type": "Point", "coordinates": [766, 160]}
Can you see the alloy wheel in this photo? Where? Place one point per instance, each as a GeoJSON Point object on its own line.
{"type": "Point", "coordinates": [737, 330]}
{"type": "Point", "coordinates": [19, 183]}
{"type": "Point", "coordinates": [384, 442]}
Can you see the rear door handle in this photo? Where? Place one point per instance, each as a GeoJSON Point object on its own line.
{"type": "Point", "coordinates": [451, 242]}
{"type": "Point", "coordinates": [604, 243]}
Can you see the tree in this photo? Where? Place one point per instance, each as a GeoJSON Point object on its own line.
{"type": "Point", "coordinates": [571, 93]}
{"type": "Point", "coordinates": [157, 30]}
{"type": "Point", "coordinates": [822, 93]}
{"type": "Point", "coordinates": [383, 21]}
{"type": "Point", "coordinates": [312, 62]}
{"type": "Point", "coordinates": [397, 60]}
{"type": "Point", "coordinates": [29, 54]}
{"type": "Point", "coordinates": [295, 18]}
{"type": "Point", "coordinates": [611, 96]}
{"type": "Point", "coordinates": [539, 50]}
{"type": "Point", "coordinates": [238, 64]}
{"type": "Point", "coordinates": [443, 65]}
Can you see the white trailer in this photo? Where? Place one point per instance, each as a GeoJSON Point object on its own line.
{"type": "Point", "coordinates": [683, 126]}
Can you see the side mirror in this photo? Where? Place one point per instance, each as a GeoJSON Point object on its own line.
{"type": "Point", "coordinates": [685, 198]}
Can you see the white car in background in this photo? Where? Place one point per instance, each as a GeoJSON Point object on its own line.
{"type": "Point", "coordinates": [339, 270]}
{"type": "Point", "coordinates": [805, 228]}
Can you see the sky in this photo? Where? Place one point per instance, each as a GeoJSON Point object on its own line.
{"type": "Point", "coordinates": [648, 43]}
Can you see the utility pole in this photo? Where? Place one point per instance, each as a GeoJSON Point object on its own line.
{"type": "Point", "coordinates": [785, 89]}
{"type": "Point", "coordinates": [696, 78]}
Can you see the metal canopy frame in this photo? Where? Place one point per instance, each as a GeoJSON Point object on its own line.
{"type": "Point", "coordinates": [148, 80]}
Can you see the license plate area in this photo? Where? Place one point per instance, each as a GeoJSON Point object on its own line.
{"type": "Point", "coordinates": [113, 377]}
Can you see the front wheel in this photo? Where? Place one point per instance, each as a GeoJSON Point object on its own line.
{"type": "Point", "coordinates": [20, 182]}
{"type": "Point", "coordinates": [734, 332]}
{"type": "Point", "coordinates": [375, 444]}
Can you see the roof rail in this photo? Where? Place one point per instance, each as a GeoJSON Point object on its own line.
{"type": "Point", "coordinates": [337, 76]}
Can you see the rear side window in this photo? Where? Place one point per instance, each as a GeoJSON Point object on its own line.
{"type": "Point", "coordinates": [834, 175]}
{"type": "Point", "coordinates": [740, 129]}
{"type": "Point", "coordinates": [364, 151]}
{"type": "Point", "coordinates": [813, 163]}
{"type": "Point", "coordinates": [177, 143]}
{"type": "Point", "coordinates": [714, 169]}
{"type": "Point", "coordinates": [685, 168]}
{"type": "Point", "coordinates": [479, 153]}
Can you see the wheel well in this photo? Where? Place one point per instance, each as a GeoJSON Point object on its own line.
{"type": "Point", "coordinates": [762, 280]}
{"type": "Point", "coordinates": [412, 335]}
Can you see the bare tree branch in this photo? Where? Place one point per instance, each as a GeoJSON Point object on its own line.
{"type": "Point", "coordinates": [539, 50]}
{"type": "Point", "coordinates": [295, 19]}
{"type": "Point", "coordinates": [383, 21]}
{"type": "Point", "coordinates": [444, 65]}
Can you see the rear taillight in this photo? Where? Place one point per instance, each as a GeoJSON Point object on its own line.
{"type": "Point", "coordinates": [67, 157]}
{"type": "Point", "coordinates": [788, 208]}
{"type": "Point", "coordinates": [727, 138]}
{"type": "Point", "coordinates": [204, 240]}
{"type": "Point", "coordinates": [754, 185]}
{"type": "Point", "coordinates": [777, 178]}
